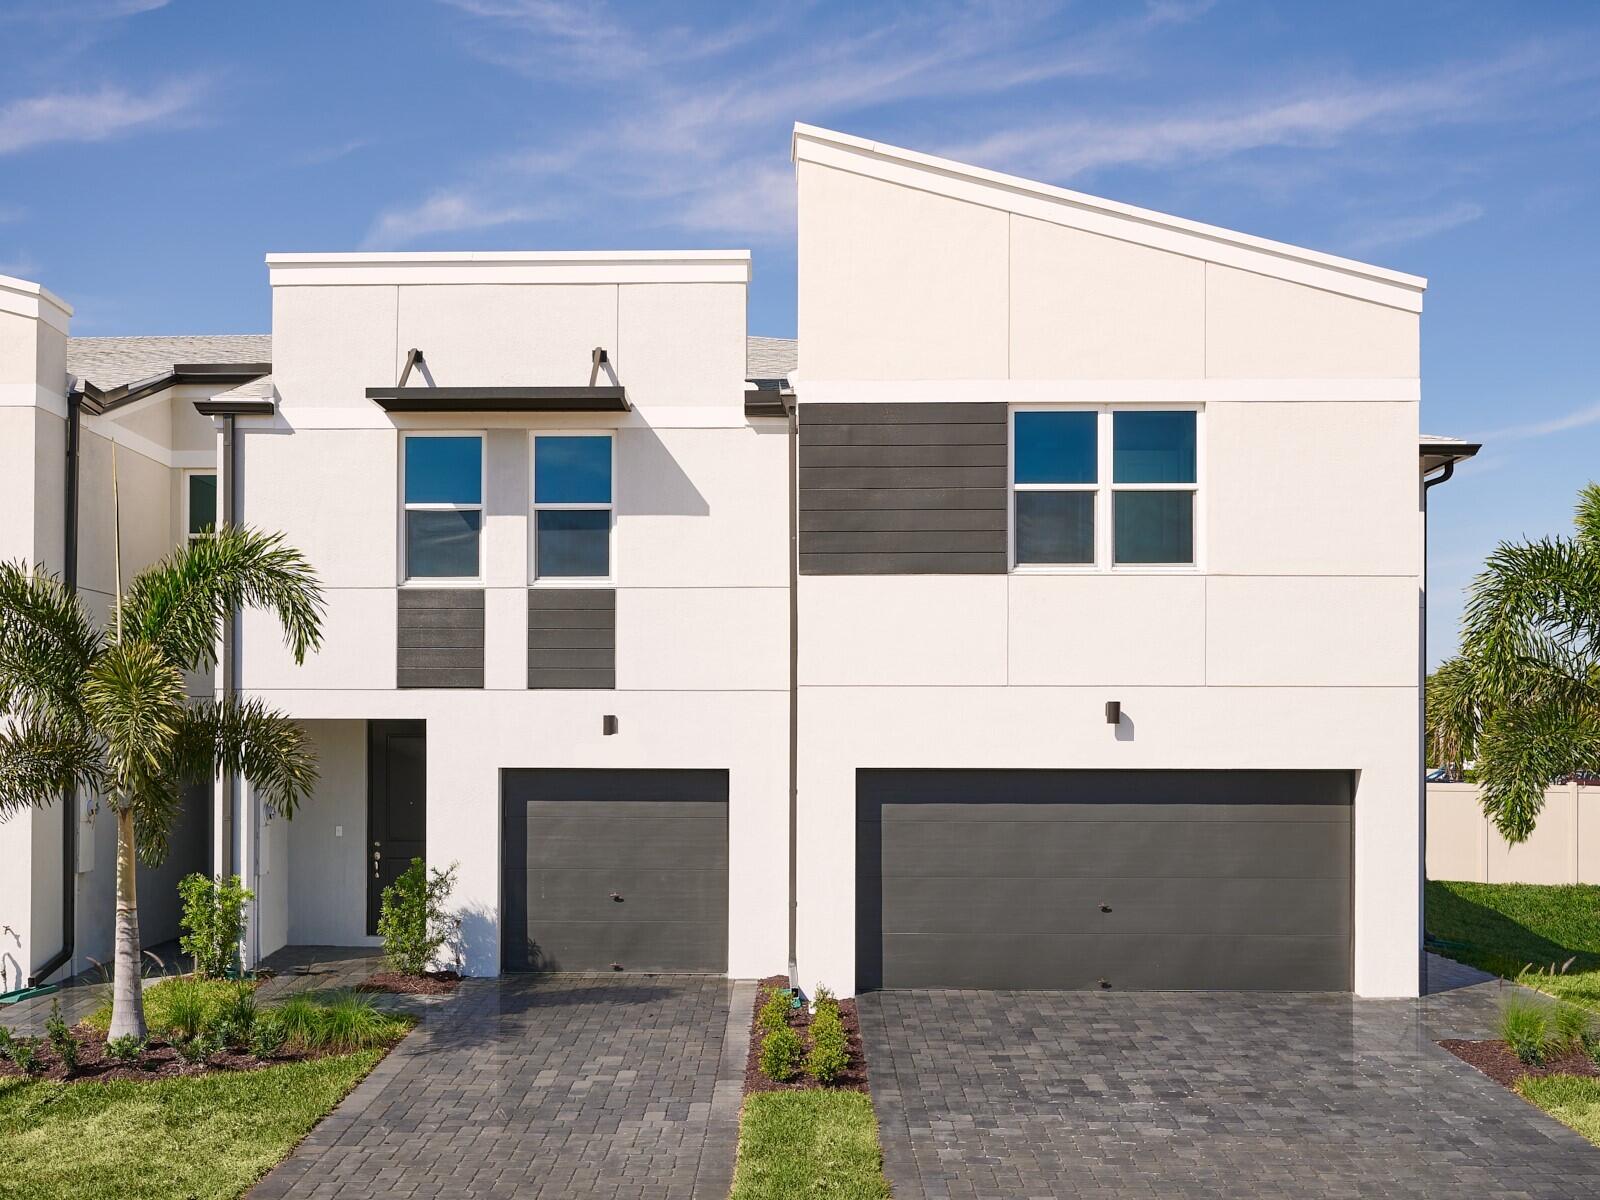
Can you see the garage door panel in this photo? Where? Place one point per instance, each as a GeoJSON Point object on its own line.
{"type": "Point", "coordinates": [585, 894]}
{"type": "Point", "coordinates": [1113, 848]}
{"type": "Point", "coordinates": [1145, 905]}
{"type": "Point", "coordinates": [650, 946]}
{"type": "Point", "coordinates": [1213, 879]}
{"type": "Point", "coordinates": [574, 839]}
{"type": "Point", "coordinates": [590, 839]}
{"type": "Point", "coordinates": [1158, 961]}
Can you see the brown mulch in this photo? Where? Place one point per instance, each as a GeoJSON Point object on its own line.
{"type": "Point", "coordinates": [854, 1078]}
{"type": "Point", "coordinates": [432, 983]}
{"type": "Point", "coordinates": [160, 1060]}
{"type": "Point", "coordinates": [1496, 1060]}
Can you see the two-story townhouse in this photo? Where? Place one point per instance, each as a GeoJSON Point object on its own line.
{"type": "Point", "coordinates": [1063, 597]}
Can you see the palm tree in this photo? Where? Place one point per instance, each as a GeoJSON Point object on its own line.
{"type": "Point", "coordinates": [106, 710]}
{"type": "Point", "coordinates": [1523, 696]}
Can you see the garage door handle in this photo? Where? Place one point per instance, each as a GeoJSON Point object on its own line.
{"type": "Point", "coordinates": [1105, 908]}
{"type": "Point", "coordinates": [617, 897]}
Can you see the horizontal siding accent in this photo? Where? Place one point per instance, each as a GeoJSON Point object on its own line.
{"type": "Point", "coordinates": [902, 489]}
{"type": "Point", "coordinates": [439, 640]}
{"type": "Point", "coordinates": [572, 638]}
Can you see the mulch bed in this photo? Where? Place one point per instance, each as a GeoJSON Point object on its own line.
{"type": "Point", "coordinates": [433, 983]}
{"type": "Point", "coordinates": [159, 1061]}
{"type": "Point", "coordinates": [854, 1078]}
{"type": "Point", "coordinates": [1495, 1059]}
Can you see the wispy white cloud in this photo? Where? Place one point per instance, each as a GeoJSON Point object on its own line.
{"type": "Point", "coordinates": [52, 11]}
{"type": "Point", "coordinates": [1579, 418]}
{"type": "Point", "coordinates": [1394, 231]}
{"type": "Point", "coordinates": [93, 116]}
{"type": "Point", "coordinates": [446, 212]}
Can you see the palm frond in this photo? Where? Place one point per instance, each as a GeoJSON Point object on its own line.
{"type": "Point", "coordinates": [134, 697]}
{"type": "Point", "coordinates": [245, 736]}
{"type": "Point", "coordinates": [1525, 748]}
{"type": "Point", "coordinates": [1587, 517]}
{"type": "Point", "coordinates": [1453, 713]}
{"type": "Point", "coordinates": [1534, 603]}
{"type": "Point", "coordinates": [180, 603]}
{"type": "Point", "coordinates": [40, 759]}
{"type": "Point", "coordinates": [47, 642]}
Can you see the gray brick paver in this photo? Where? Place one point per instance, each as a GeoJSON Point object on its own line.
{"type": "Point", "coordinates": [547, 1086]}
{"type": "Point", "coordinates": [1208, 1095]}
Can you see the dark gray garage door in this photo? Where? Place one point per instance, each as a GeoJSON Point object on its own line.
{"type": "Point", "coordinates": [608, 870]}
{"type": "Point", "coordinates": [1087, 879]}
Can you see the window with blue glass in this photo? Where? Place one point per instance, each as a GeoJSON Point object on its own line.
{"type": "Point", "coordinates": [572, 506]}
{"type": "Point", "coordinates": [443, 499]}
{"type": "Point", "coordinates": [1102, 487]}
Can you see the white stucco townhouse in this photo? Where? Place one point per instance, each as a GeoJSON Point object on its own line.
{"type": "Point", "coordinates": [1061, 591]}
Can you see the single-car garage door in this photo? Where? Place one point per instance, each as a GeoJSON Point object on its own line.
{"type": "Point", "coordinates": [615, 870]}
{"type": "Point", "coordinates": [1091, 879]}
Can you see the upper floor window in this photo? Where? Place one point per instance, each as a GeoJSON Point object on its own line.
{"type": "Point", "coordinates": [1103, 487]}
{"type": "Point", "coordinates": [199, 504]}
{"type": "Point", "coordinates": [443, 499]}
{"type": "Point", "coordinates": [572, 505]}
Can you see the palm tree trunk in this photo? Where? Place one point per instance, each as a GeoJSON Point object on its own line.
{"type": "Point", "coordinates": [127, 994]}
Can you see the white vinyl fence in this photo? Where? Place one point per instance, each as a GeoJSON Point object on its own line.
{"type": "Point", "coordinates": [1564, 846]}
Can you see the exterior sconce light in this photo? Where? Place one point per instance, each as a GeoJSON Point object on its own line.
{"type": "Point", "coordinates": [1113, 712]}
{"type": "Point", "coordinates": [608, 725]}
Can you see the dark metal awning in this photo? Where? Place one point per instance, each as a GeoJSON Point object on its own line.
{"type": "Point", "coordinates": [500, 399]}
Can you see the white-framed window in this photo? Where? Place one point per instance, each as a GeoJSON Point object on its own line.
{"type": "Point", "coordinates": [199, 504]}
{"type": "Point", "coordinates": [1101, 487]}
{"type": "Point", "coordinates": [441, 497]}
{"type": "Point", "coordinates": [574, 509]}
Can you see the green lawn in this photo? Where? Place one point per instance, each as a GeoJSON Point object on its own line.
{"type": "Point", "coordinates": [1504, 927]}
{"type": "Point", "coordinates": [202, 1137]}
{"type": "Point", "coordinates": [811, 1143]}
{"type": "Point", "coordinates": [1569, 1099]}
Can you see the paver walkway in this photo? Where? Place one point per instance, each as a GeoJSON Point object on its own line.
{"type": "Point", "coordinates": [1164, 1094]}
{"type": "Point", "coordinates": [546, 1086]}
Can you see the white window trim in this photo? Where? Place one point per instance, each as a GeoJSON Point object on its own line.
{"type": "Point", "coordinates": [434, 581]}
{"type": "Point", "coordinates": [534, 508]}
{"type": "Point", "coordinates": [1104, 489]}
{"type": "Point", "coordinates": [185, 537]}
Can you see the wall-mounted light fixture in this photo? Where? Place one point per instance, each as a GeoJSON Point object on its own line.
{"type": "Point", "coordinates": [1113, 712]}
{"type": "Point", "coordinates": [608, 725]}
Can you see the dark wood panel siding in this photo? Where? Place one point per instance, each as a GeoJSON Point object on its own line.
{"type": "Point", "coordinates": [902, 489]}
{"type": "Point", "coordinates": [440, 638]}
{"type": "Point", "coordinates": [572, 638]}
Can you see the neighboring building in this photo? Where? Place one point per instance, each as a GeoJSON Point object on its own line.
{"type": "Point", "coordinates": [1107, 588]}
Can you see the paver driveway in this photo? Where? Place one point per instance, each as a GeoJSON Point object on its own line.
{"type": "Point", "coordinates": [546, 1086]}
{"type": "Point", "coordinates": [1019, 1095]}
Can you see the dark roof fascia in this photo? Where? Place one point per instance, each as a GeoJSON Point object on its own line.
{"type": "Point", "coordinates": [500, 399]}
{"type": "Point", "coordinates": [1452, 450]}
{"type": "Point", "coordinates": [218, 407]}
{"type": "Point", "coordinates": [764, 402]}
{"type": "Point", "coordinates": [181, 373]}
{"type": "Point", "coordinates": [220, 372]}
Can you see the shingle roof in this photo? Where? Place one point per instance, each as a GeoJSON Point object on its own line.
{"type": "Point", "coordinates": [109, 362]}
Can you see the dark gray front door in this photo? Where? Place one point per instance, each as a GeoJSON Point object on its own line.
{"type": "Point", "coordinates": [615, 870]}
{"type": "Point", "coordinates": [1091, 879]}
{"type": "Point", "coordinates": [397, 804]}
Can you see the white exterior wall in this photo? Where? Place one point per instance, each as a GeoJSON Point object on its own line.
{"type": "Point", "coordinates": [701, 658]}
{"type": "Point", "coordinates": [1294, 642]}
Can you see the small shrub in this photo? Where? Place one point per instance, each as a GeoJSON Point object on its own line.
{"type": "Point", "coordinates": [781, 1054]}
{"type": "Point", "coordinates": [267, 1036]}
{"type": "Point", "coordinates": [825, 998]}
{"type": "Point", "coordinates": [830, 1045]}
{"type": "Point", "coordinates": [300, 1019]}
{"type": "Point", "coordinates": [1572, 1029]}
{"type": "Point", "coordinates": [26, 1056]}
{"type": "Point", "coordinates": [236, 1013]}
{"type": "Point", "coordinates": [213, 923]}
{"type": "Point", "coordinates": [338, 1022]}
{"type": "Point", "coordinates": [196, 1050]}
{"type": "Point", "coordinates": [188, 1009]}
{"type": "Point", "coordinates": [774, 1013]}
{"type": "Point", "coordinates": [61, 1038]}
{"type": "Point", "coordinates": [125, 1049]}
{"type": "Point", "coordinates": [5, 1042]}
{"type": "Point", "coordinates": [1525, 1028]}
{"type": "Point", "coordinates": [412, 920]}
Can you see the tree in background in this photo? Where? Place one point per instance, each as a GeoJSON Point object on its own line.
{"type": "Point", "coordinates": [1521, 700]}
{"type": "Point", "coordinates": [106, 710]}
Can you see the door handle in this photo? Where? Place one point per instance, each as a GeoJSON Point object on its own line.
{"type": "Point", "coordinates": [376, 855]}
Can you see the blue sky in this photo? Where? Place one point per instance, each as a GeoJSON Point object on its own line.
{"type": "Point", "coordinates": [151, 153]}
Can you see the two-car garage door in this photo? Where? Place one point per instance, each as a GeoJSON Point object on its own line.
{"type": "Point", "coordinates": [1121, 879]}
{"type": "Point", "coordinates": [615, 870]}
